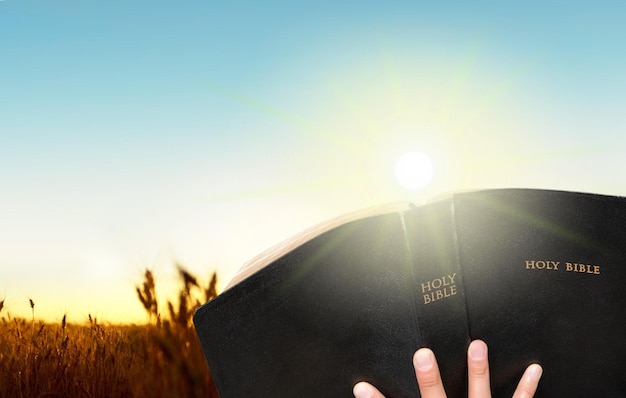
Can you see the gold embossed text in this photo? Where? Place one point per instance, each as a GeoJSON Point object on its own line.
{"type": "Point", "coordinates": [565, 266]}
{"type": "Point", "coordinates": [439, 288]}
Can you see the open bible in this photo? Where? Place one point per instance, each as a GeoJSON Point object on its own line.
{"type": "Point", "coordinates": [539, 275]}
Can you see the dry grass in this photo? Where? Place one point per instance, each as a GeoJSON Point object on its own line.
{"type": "Point", "coordinates": [162, 359]}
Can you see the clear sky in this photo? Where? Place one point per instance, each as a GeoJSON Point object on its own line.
{"type": "Point", "coordinates": [138, 133]}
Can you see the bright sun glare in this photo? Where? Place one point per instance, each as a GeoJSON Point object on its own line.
{"type": "Point", "coordinates": [414, 170]}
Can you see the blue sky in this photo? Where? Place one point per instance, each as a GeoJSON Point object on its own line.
{"type": "Point", "coordinates": [134, 134]}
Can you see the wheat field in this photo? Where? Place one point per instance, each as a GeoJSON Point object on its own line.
{"type": "Point", "coordinates": [160, 359]}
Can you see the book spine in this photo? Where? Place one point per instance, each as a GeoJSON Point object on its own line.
{"type": "Point", "coordinates": [439, 296]}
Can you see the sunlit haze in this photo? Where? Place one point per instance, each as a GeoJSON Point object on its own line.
{"type": "Point", "coordinates": [139, 134]}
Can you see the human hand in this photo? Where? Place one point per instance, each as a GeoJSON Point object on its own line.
{"type": "Point", "coordinates": [431, 386]}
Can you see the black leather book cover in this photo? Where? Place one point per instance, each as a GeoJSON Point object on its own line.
{"type": "Point", "coordinates": [539, 275]}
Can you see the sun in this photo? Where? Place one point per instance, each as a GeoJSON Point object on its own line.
{"type": "Point", "coordinates": [414, 170]}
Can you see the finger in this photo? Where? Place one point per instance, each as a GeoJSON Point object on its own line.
{"type": "Point", "coordinates": [529, 382]}
{"type": "Point", "coordinates": [478, 370]}
{"type": "Point", "coordinates": [366, 390]}
{"type": "Point", "coordinates": [427, 373]}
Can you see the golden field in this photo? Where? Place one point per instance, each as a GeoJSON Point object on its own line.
{"type": "Point", "coordinates": [159, 359]}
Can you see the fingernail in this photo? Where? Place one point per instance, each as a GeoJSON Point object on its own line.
{"type": "Point", "coordinates": [534, 372]}
{"type": "Point", "coordinates": [477, 350]}
{"type": "Point", "coordinates": [424, 359]}
{"type": "Point", "coordinates": [362, 390]}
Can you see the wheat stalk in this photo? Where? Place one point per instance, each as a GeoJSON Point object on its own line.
{"type": "Point", "coordinates": [32, 308]}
